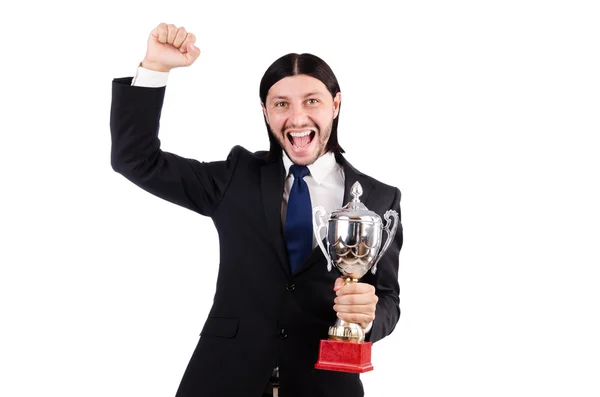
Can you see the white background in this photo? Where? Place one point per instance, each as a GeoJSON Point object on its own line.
{"type": "Point", "coordinates": [485, 115]}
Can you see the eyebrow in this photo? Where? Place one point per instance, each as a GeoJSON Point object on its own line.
{"type": "Point", "coordinates": [314, 93]}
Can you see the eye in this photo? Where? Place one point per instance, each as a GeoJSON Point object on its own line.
{"type": "Point", "coordinates": [280, 104]}
{"type": "Point", "coordinates": [312, 101]}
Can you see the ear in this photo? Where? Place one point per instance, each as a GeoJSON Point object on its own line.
{"type": "Point", "coordinates": [264, 109]}
{"type": "Point", "coordinates": [337, 101]}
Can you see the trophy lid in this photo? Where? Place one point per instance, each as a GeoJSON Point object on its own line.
{"type": "Point", "coordinates": [355, 210]}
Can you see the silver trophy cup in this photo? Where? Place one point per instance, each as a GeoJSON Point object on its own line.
{"type": "Point", "coordinates": [354, 245]}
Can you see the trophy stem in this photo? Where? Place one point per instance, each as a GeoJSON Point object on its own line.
{"type": "Point", "coordinates": [345, 331]}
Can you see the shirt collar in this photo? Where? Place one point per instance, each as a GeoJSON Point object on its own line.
{"type": "Point", "coordinates": [318, 170]}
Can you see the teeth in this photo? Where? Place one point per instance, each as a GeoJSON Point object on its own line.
{"type": "Point", "coordinates": [300, 134]}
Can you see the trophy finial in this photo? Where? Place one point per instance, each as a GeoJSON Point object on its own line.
{"type": "Point", "coordinates": [356, 192]}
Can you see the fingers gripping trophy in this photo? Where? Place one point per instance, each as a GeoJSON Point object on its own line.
{"type": "Point", "coordinates": [354, 246]}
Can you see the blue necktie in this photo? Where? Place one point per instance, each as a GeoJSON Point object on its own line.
{"type": "Point", "coordinates": [298, 220]}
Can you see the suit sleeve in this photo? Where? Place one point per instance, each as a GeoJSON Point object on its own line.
{"type": "Point", "coordinates": [136, 153]}
{"type": "Point", "coordinates": [386, 283]}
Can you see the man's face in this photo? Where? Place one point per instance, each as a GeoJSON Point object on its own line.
{"type": "Point", "coordinates": [300, 111]}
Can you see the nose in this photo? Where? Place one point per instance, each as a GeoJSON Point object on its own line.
{"type": "Point", "coordinates": [298, 117]}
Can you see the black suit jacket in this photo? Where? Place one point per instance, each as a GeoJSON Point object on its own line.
{"type": "Point", "coordinates": [262, 315]}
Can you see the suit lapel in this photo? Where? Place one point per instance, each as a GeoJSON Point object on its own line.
{"type": "Point", "coordinates": [351, 175]}
{"type": "Point", "coordinates": [272, 180]}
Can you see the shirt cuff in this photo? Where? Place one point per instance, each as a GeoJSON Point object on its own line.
{"type": "Point", "coordinates": [368, 329]}
{"type": "Point", "coordinates": [150, 78]}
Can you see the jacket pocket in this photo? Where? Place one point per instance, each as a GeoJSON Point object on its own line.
{"type": "Point", "coordinates": [220, 326]}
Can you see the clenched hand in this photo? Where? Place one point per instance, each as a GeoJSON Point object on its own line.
{"type": "Point", "coordinates": [355, 302]}
{"type": "Point", "coordinates": [170, 47]}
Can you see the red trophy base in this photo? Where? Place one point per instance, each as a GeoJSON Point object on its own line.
{"type": "Point", "coordinates": [345, 356]}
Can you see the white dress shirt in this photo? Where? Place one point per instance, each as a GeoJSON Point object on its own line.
{"type": "Point", "coordinates": [150, 78]}
{"type": "Point", "coordinates": [325, 181]}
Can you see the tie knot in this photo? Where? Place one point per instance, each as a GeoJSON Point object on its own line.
{"type": "Point", "coordinates": [299, 171]}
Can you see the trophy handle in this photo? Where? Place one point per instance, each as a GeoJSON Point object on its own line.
{"type": "Point", "coordinates": [318, 213]}
{"type": "Point", "coordinates": [390, 235]}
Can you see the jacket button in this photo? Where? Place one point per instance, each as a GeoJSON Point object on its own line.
{"type": "Point", "coordinates": [290, 287]}
{"type": "Point", "coordinates": [283, 333]}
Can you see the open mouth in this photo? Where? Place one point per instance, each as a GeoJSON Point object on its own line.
{"type": "Point", "coordinates": [301, 139]}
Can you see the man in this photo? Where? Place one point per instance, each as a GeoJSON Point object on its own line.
{"type": "Point", "coordinates": [274, 299]}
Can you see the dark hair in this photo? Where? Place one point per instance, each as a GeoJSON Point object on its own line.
{"type": "Point", "coordinates": [291, 65]}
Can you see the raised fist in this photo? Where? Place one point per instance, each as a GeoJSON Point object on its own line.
{"type": "Point", "coordinates": [170, 47]}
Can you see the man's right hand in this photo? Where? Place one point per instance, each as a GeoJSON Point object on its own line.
{"type": "Point", "coordinates": [170, 47]}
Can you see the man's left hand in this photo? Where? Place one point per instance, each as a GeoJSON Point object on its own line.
{"type": "Point", "coordinates": [355, 302]}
